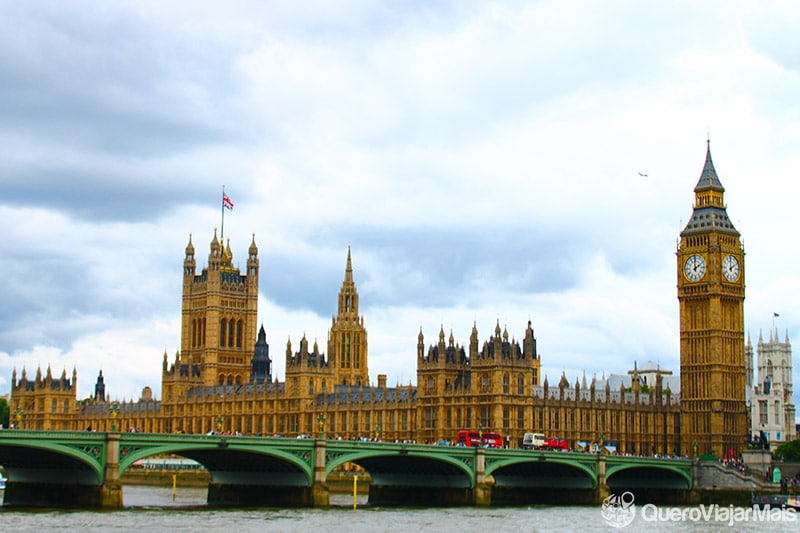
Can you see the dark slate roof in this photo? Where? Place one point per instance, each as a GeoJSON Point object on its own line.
{"type": "Point", "coordinates": [142, 406]}
{"type": "Point", "coordinates": [706, 218]}
{"type": "Point", "coordinates": [708, 178]}
{"type": "Point", "coordinates": [230, 390]}
{"type": "Point", "coordinates": [350, 395]}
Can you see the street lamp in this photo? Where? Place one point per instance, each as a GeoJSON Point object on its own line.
{"type": "Point", "coordinates": [378, 433]}
{"type": "Point", "coordinates": [694, 448]}
{"type": "Point", "coordinates": [113, 410]}
{"type": "Point", "coordinates": [321, 426]}
{"type": "Point", "coordinates": [480, 434]}
{"type": "Point", "coordinates": [19, 414]}
{"type": "Point", "coordinates": [218, 422]}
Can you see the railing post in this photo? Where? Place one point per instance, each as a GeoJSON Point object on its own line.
{"type": "Point", "coordinates": [111, 490]}
{"type": "Point", "coordinates": [320, 494]}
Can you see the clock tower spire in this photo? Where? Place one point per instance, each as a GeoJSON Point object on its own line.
{"type": "Point", "coordinates": [711, 298]}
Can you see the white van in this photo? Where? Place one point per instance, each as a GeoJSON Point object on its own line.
{"type": "Point", "coordinates": [532, 440]}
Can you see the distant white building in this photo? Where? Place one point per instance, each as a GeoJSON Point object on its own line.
{"type": "Point", "coordinates": [648, 373]}
{"type": "Point", "coordinates": [770, 395]}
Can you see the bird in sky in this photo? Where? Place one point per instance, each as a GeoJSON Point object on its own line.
{"type": "Point", "coordinates": [642, 174]}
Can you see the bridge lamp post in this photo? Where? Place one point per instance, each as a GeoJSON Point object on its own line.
{"type": "Point", "coordinates": [378, 433]}
{"type": "Point", "coordinates": [321, 426]}
{"type": "Point", "coordinates": [480, 434]}
{"type": "Point", "coordinates": [218, 423]}
{"type": "Point", "coordinates": [694, 448]}
{"type": "Point", "coordinates": [19, 414]}
{"type": "Point", "coordinates": [113, 410]}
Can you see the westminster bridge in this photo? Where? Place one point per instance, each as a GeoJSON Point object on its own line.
{"type": "Point", "coordinates": [83, 469]}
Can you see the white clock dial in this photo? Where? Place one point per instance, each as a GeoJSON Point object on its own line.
{"type": "Point", "coordinates": [730, 268]}
{"type": "Point", "coordinates": [695, 268]}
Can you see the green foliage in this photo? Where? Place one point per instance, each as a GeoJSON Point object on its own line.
{"type": "Point", "coordinates": [4, 412]}
{"type": "Point", "coordinates": [789, 451]}
{"type": "Point", "coordinates": [643, 388]}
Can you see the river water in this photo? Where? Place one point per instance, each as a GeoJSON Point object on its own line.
{"type": "Point", "coordinates": [153, 509]}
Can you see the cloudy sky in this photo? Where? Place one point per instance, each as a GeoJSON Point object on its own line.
{"type": "Point", "coordinates": [482, 159]}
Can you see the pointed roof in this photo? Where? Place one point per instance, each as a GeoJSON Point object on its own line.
{"type": "Point", "coordinates": [190, 246]}
{"type": "Point", "coordinates": [253, 250]}
{"type": "Point", "coordinates": [708, 178]}
{"type": "Point", "coordinates": [348, 271]}
{"type": "Point", "coordinates": [709, 214]}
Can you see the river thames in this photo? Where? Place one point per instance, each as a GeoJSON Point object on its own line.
{"type": "Point", "coordinates": [153, 509]}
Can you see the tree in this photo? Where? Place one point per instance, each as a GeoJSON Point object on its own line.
{"type": "Point", "coordinates": [4, 412]}
{"type": "Point", "coordinates": [789, 451]}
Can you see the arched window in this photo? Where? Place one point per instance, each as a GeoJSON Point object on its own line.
{"type": "Point", "coordinates": [239, 327]}
{"type": "Point", "coordinates": [223, 328]}
{"type": "Point", "coordinates": [310, 386]}
{"type": "Point", "coordinates": [520, 385]}
{"type": "Point", "coordinates": [505, 384]}
{"type": "Point", "coordinates": [231, 333]}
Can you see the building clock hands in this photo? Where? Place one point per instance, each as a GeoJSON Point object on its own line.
{"type": "Point", "coordinates": [730, 268]}
{"type": "Point", "coordinates": [695, 268]}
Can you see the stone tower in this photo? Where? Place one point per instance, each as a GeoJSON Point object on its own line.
{"type": "Point", "coordinates": [218, 319]}
{"type": "Point", "coordinates": [772, 404]}
{"type": "Point", "coordinates": [347, 339]}
{"type": "Point", "coordinates": [710, 269]}
{"type": "Point", "coordinates": [261, 364]}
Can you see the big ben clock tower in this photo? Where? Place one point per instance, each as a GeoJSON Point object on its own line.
{"type": "Point", "coordinates": [711, 296]}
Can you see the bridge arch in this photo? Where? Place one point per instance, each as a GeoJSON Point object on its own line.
{"type": "Point", "coordinates": [542, 471]}
{"type": "Point", "coordinates": [35, 461]}
{"type": "Point", "coordinates": [232, 462]}
{"type": "Point", "coordinates": [657, 476]}
{"type": "Point", "coordinates": [404, 466]}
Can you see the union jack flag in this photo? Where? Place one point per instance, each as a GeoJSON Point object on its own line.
{"type": "Point", "coordinates": [226, 202]}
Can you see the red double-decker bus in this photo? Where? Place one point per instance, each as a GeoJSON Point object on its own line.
{"type": "Point", "coordinates": [487, 439]}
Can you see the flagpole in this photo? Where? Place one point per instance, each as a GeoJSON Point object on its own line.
{"type": "Point", "coordinates": [222, 226]}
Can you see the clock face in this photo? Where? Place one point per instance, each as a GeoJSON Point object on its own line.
{"type": "Point", "coordinates": [695, 268]}
{"type": "Point", "coordinates": [730, 267]}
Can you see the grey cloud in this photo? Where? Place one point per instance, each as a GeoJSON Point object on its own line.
{"type": "Point", "coordinates": [112, 83]}
{"type": "Point", "coordinates": [102, 193]}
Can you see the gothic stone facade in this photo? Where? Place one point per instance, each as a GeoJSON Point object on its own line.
{"type": "Point", "coordinates": [210, 385]}
{"type": "Point", "coordinates": [221, 378]}
{"type": "Point", "coordinates": [771, 402]}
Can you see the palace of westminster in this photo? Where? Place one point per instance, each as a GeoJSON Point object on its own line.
{"type": "Point", "coordinates": [221, 379]}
